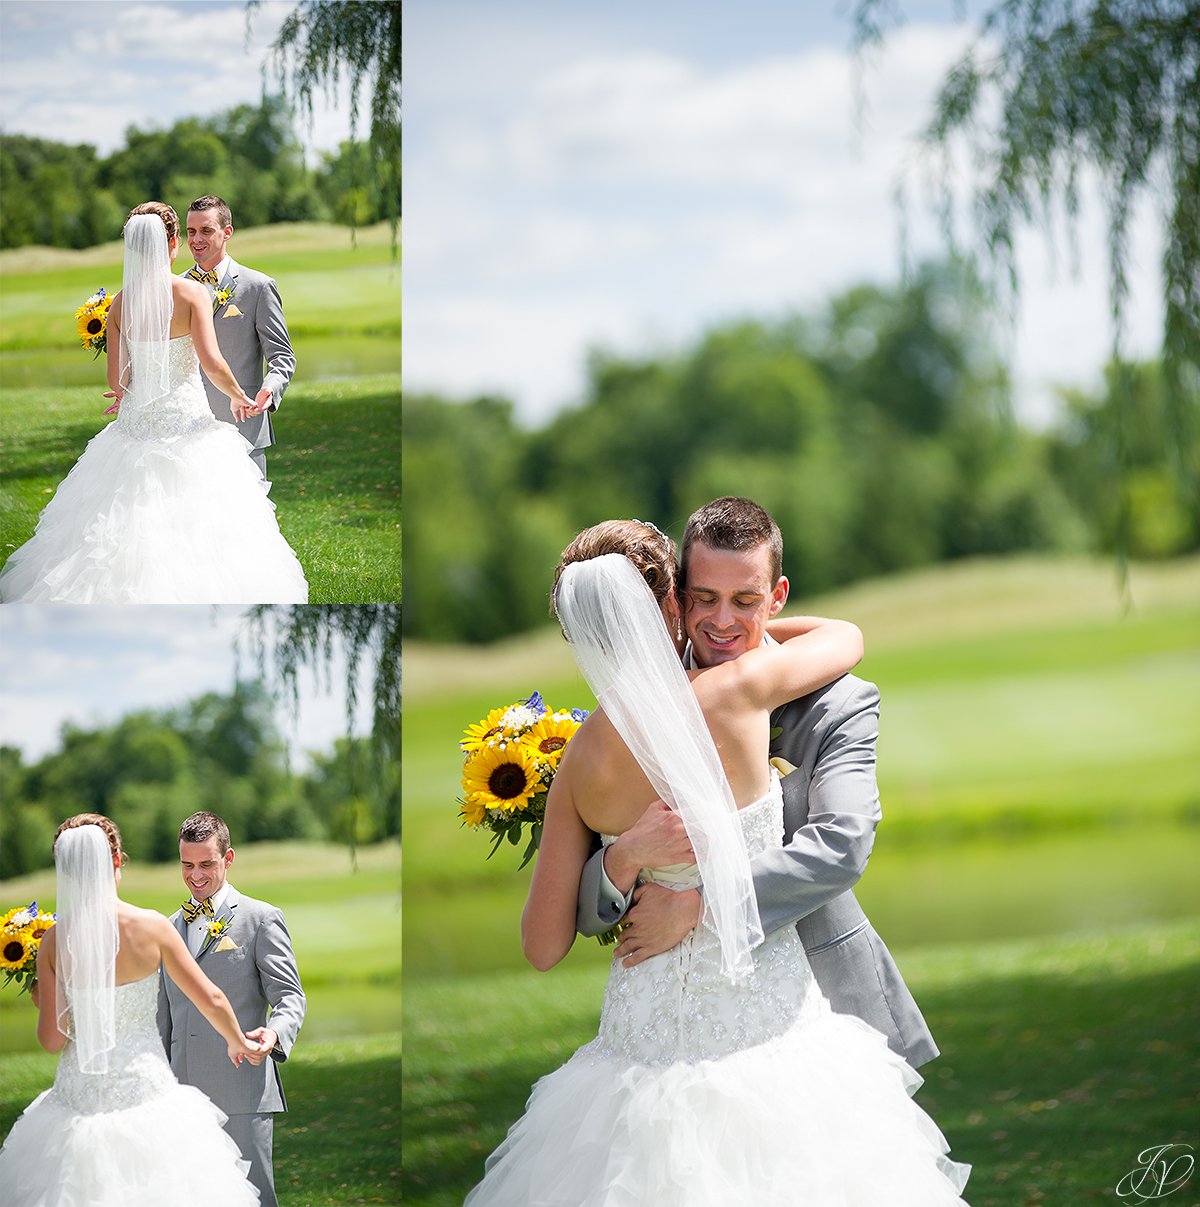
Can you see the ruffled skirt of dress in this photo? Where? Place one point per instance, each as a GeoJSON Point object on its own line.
{"type": "Point", "coordinates": [821, 1115]}
{"type": "Point", "coordinates": [169, 1151]}
{"type": "Point", "coordinates": [178, 520]}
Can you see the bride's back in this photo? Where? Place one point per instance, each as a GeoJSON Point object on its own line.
{"type": "Point", "coordinates": [608, 787]}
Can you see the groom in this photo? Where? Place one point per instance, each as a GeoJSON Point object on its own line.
{"type": "Point", "coordinates": [248, 316]}
{"type": "Point", "coordinates": [731, 583]}
{"type": "Point", "coordinates": [243, 947]}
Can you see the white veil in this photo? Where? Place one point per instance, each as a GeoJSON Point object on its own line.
{"type": "Point", "coordinates": [146, 307]}
{"type": "Point", "coordinates": [86, 943]}
{"type": "Point", "coordinates": [621, 643]}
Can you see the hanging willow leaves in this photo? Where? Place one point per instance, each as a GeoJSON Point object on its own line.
{"type": "Point", "coordinates": [1047, 92]}
{"type": "Point", "coordinates": [323, 41]}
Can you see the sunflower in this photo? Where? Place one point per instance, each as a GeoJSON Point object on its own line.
{"type": "Point", "coordinates": [502, 779]}
{"type": "Point", "coordinates": [16, 949]}
{"type": "Point", "coordinates": [473, 811]}
{"type": "Point", "coordinates": [90, 323]}
{"type": "Point", "coordinates": [475, 737]}
{"type": "Point", "coordinates": [550, 736]}
{"type": "Point", "coordinates": [38, 928]}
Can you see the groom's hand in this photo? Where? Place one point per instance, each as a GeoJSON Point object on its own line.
{"type": "Point", "coordinates": [267, 1039]}
{"type": "Point", "coordinates": [658, 919]}
{"type": "Point", "coordinates": [656, 839]}
{"type": "Point", "coordinates": [262, 400]}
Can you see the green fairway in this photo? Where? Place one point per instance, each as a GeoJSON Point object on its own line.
{"type": "Point", "coordinates": [336, 465]}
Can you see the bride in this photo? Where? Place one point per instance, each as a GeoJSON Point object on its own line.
{"type": "Point", "coordinates": [115, 1128]}
{"type": "Point", "coordinates": [720, 1074]}
{"type": "Point", "coordinates": [164, 505]}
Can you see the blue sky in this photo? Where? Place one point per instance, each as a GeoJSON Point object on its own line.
{"type": "Point", "coordinates": [92, 665]}
{"type": "Point", "coordinates": [625, 175]}
{"type": "Point", "coordinates": [82, 71]}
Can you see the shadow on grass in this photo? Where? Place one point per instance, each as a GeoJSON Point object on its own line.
{"type": "Point", "coordinates": [1049, 1086]}
{"type": "Point", "coordinates": [340, 1140]}
{"type": "Point", "coordinates": [46, 455]}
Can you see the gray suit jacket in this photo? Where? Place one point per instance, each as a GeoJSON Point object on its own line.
{"type": "Point", "coordinates": [251, 329]}
{"type": "Point", "coordinates": [830, 811]}
{"type": "Point", "coordinates": [260, 978]}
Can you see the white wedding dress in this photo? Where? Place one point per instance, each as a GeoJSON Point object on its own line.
{"type": "Point", "coordinates": [131, 1137]}
{"type": "Point", "coordinates": [164, 506]}
{"type": "Point", "coordinates": [699, 1093]}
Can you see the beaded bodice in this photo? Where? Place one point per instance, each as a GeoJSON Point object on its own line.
{"type": "Point", "coordinates": [680, 1007]}
{"type": "Point", "coordinates": [182, 411]}
{"type": "Point", "coordinates": [137, 1066]}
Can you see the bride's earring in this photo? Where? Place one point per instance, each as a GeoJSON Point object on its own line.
{"type": "Point", "coordinates": [678, 628]}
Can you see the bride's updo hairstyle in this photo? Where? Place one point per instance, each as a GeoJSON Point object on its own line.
{"type": "Point", "coordinates": [95, 819]}
{"type": "Point", "coordinates": [650, 551]}
{"type": "Point", "coordinates": [170, 219]}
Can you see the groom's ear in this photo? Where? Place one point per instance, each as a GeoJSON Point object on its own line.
{"type": "Point", "coordinates": [779, 596]}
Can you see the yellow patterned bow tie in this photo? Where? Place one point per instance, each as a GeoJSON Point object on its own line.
{"type": "Point", "coordinates": [192, 912]}
{"type": "Point", "coordinates": [209, 278]}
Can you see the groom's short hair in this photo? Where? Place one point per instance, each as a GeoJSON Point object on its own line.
{"type": "Point", "coordinates": [734, 524]}
{"type": "Point", "coordinates": [200, 827]}
{"type": "Point", "coordinates": [209, 202]}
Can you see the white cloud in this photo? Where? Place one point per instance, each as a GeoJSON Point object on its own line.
{"type": "Point", "coordinates": [634, 191]}
{"type": "Point", "coordinates": [83, 73]}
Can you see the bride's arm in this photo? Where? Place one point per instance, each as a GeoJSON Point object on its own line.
{"type": "Point", "coordinates": [812, 652]}
{"type": "Point", "coordinates": [548, 920]}
{"type": "Point", "coordinates": [48, 1034]}
{"type": "Point", "coordinates": [112, 355]}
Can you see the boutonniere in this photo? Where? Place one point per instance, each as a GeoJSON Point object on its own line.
{"type": "Point", "coordinates": [221, 296]}
{"type": "Point", "coordinates": [217, 928]}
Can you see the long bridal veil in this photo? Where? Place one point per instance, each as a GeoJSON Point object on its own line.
{"type": "Point", "coordinates": [145, 307]}
{"type": "Point", "coordinates": [620, 641]}
{"type": "Point", "coordinates": [86, 942]}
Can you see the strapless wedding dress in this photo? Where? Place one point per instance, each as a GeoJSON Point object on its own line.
{"type": "Point", "coordinates": [164, 506]}
{"type": "Point", "coordinates": [700, 1093]}
{"type": "Point", "coordinates": [131, 1137]}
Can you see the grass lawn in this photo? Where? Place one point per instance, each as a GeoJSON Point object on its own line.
{"type": "Point", "coordinates": [336, 466]}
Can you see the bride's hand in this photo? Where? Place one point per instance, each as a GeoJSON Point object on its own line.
{"type": "Point", "coordinates": [242, 1049]}
{"type": "Point", "coordinates": [242, 406]}
{"type": "Point", "coordinates": [656, 839]}
{"type": "Point", "coordinates": [116, 406]}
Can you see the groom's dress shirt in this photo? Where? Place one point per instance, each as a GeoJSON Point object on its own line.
{"type": "Point", "coordinates": [197, 930]}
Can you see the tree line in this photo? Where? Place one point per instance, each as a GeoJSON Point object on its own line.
{"type": "Point", "coordinates": [879, 433]}
{"type": "Point", "coordinates": [224, 753]}
{"type": "Point", "coordinates": [69, 196]}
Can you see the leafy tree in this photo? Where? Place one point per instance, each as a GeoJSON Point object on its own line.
{"type": "Point", "coordinates": [321, 39]}
{"type": "Point", "coordinates": [1047, 90]}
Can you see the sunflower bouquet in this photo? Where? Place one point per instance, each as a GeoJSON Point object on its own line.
{"type": "Point", "coordinates": [21, 933]}
{"type": "Point", "coordinates": [511, 757]}
{"type": "Point", "coordinates": [91, 321]}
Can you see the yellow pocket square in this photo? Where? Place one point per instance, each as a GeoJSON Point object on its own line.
{"type": "Point", "coordinates": [782, 766]}
{"type": "Point", "coordinates": [226, 944]}
{"type": "Point", "coordinates": [232, 313]}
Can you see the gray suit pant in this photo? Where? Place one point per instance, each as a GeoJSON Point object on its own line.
{"type": "Point", "coordinates": [254, 1135]}
{"type": "Point", "coordinates": [259, 457]}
